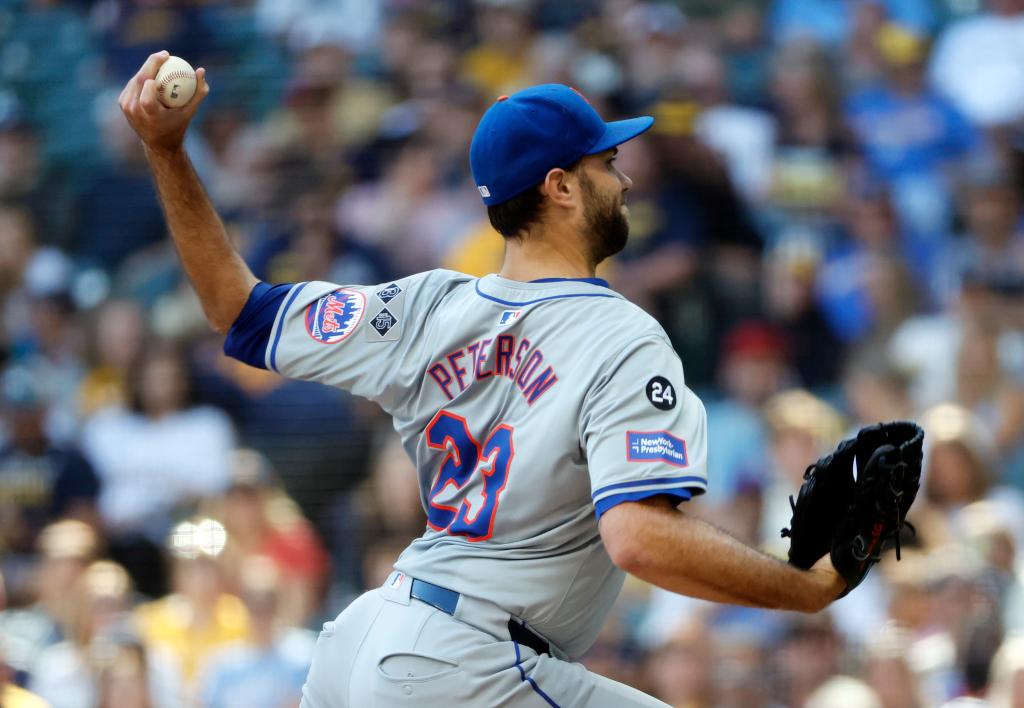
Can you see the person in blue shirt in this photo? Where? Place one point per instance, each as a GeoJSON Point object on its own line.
{"type": "Point", "coordinates": [829, 22]}
{"type": "Point", "coordinates": [909, 136]}
{"type": "Point", "coordinates": [902, 126]}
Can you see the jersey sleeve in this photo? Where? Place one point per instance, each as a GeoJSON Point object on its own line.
{"type": "Point", "coordinates": [643, 432]}
{"type": "Point", "coordinates": [364, 339]}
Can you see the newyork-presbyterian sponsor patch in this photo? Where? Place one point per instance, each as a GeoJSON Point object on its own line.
{"type": "Point", "coordinates": [656, 446]}
{"type": "Point", "coordinates": [335, 316]}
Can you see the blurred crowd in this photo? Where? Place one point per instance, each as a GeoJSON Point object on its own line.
{"type": "Point", "coordinates": [827, 219]}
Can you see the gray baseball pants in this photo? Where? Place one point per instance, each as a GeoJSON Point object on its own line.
{"type": "Point", "coordinates": [389, 650]}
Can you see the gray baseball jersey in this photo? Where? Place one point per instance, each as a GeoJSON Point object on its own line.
{"type": "Point", "coordinates": [529, 409]}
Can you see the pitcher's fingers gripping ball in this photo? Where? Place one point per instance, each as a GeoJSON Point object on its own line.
{"type": "Point", "coordinates": [855, 500]}
{"type": "Point", "coordinates": [175, 82]}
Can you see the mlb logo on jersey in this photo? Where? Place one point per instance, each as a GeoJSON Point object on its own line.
{"type": "Point", "coordinates": [334, 317]}
{"type": "Point", "coordinates": [509, 316]}
{"type": "Point", "coordinates": [656, 446]}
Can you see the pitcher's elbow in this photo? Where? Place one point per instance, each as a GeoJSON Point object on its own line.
{"type": "Point", "coordinates": [221, 327]}
{"type": "Point", "coordinates": [627, 553]}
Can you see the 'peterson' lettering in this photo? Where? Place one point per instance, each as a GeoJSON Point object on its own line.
{"type": "Point", "coordinates": [500, 357]}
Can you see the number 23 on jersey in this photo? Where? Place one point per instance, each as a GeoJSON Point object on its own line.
{"type": "Point", "coordinates": [450, 507]}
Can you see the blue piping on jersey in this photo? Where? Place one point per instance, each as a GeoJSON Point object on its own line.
{"type": "Point", "coordinates": [593, 281]}
{"type": "Point", "coordinates": [602, 506]}
{"type": "Point", "coordinates": [654, 480]}
{"type": "Point", "coordinates": [529, 679]}
{"type": "Point", "coordinates": [280, 324]}
{"type": "Point", "coordinates": [510, 303]}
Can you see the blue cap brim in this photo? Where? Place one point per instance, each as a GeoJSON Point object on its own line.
{"type": "Point", "coordinates": [620, 131]}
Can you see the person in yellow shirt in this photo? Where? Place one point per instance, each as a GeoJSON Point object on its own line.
{"type": "Point", "coordinates": [499, 62]}
{"type": "Point", "coordinates": [199, 617]}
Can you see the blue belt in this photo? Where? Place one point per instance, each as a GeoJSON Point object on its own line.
{"type": "Point", "coordinates": [442, 598]}
{"type": "Point", "coordinates": [447, 600]}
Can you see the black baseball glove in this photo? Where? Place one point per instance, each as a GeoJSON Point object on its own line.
{"type": "Point", "coordinates": [853, 513]}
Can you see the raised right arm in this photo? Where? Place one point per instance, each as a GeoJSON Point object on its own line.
{"type": "Point", "coordinates": [216, 270]}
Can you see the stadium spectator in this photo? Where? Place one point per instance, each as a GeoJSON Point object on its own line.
{"type": "Point", "coordinates": [744, 136]}
{"type": "Point", "coordinates": [66, 549]}
{"type": "Point", "coordinates": [755, 366]}
{"type": "Point", "coordinates": [40, 481]}
{"type": "Point", "coordinates": [157, 455]}
{"type": "Point", "coordinates": [697, 256]}
{"type": "Point", "coordinates": [117, 214]}
{"type": "Point", "coordinates": [680, 670]}
{"type": "Point", "coordinates": [315, 250]}
{"type": "Point", "coordinates": [988, 389]}
{"type": "Point", "coordinates": [411, 196]}
{"type": "Point", "coordinates": [497, 64]}
{"type": "Point", "coordinates": [910, 136]}
{"type": "Point", "coordinates": [802, 428]}
{"type": "Point", "coordinates": [25, 181]}
{"type": "Point", "coordinates": [262, 522]}
{"type": "Point", "coordinates": [861, 305]}
{"type": "Point", "coordinates": [962, 467]}
{"type": "Point", "coordinates": [990, 252]}
{"type": "Point", "coordinates": [124, 680]}
{"type": "Point", "coordinates": [199, 616]}
{"type": "Point", "coordinates": [808, 658]}
{"type": "Point", "coordinates": [118, 341]}
{"type": "Point", "coordinates": [812, 142]}
{"type": "Point", "coordinates": [829, 23]}
{"type": "Point", "coordinates": [269, 667]}
{"type": "Point", "coordinates": [66, 674]}
{"type": "Point", "coordinates": [747, 50]}
{"type": "Point", "coordinates": [788, 282]}
{"type": "Point", "coordinates": [888, 671]}
{"type": "Point", "coordinates": [874, 389]}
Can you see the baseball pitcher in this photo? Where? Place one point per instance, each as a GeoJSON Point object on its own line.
{"type": "Point", "coordinates": [548, 418]}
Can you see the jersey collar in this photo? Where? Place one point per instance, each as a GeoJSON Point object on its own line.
{"type": "Point", "coordinates": [593, 281]}
{"type": "Point", "coordinates": [515, 293]}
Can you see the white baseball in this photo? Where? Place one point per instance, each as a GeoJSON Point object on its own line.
{"type": "Point", "coordinates": [175, 82]}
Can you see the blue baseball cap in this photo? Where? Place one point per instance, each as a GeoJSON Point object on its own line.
{"type": "Point", "coordinates": [523, 136]}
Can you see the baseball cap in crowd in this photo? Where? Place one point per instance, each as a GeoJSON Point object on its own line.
{"type": "Point", "coordinates": [900, 46]}
{"type": "Point", "coordinates": [523, 136]}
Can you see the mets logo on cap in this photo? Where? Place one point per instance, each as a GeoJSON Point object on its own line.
{"type": "Point", "coordinates": [334, 316]}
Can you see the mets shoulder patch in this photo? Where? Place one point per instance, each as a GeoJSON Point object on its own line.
{"type": "Point", "coordinates": [335, 316]}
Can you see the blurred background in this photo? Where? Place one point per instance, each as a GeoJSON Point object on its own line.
{"type": "Point", "coordinates": [826, 218]}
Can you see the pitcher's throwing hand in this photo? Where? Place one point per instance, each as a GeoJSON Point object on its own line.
{"type": "Point", "coordinates": [161, 128]}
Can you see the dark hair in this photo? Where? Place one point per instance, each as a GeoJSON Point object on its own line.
{"type": "Point", "coordinates": [514, 216]}
{"type": "Point", "coordinates": [159, 350]}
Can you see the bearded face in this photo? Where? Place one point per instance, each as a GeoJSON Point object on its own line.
{"type": "Point", "coordinates": [607, 226]}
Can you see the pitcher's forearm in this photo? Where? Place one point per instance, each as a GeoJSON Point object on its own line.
{"type": "Point", "coordinates": [218, 273]}
{"type": "Point", "coordinates": [684, 554]}
{"type": "Point", "coordinates": [729, 570]}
